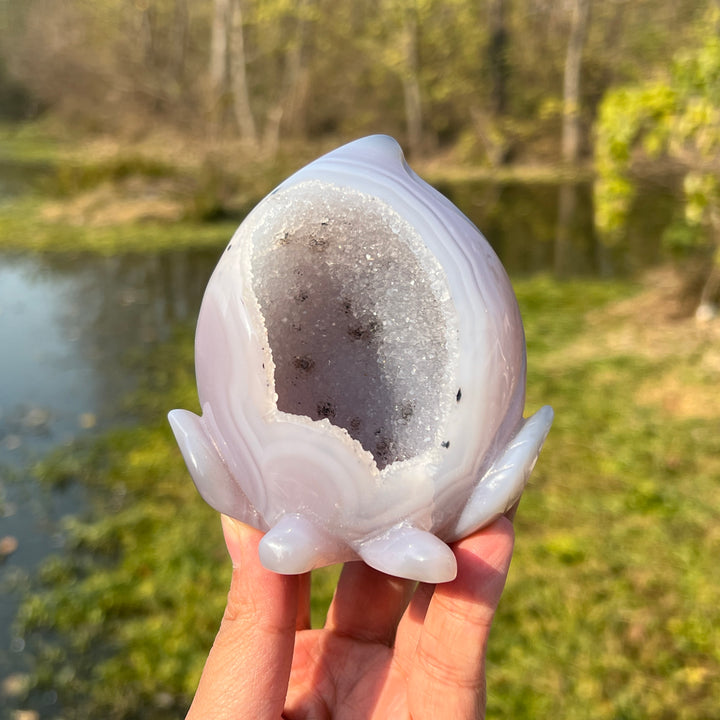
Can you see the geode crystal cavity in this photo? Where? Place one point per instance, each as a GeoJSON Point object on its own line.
{"type": "Point", "coordinates": [360, 363]}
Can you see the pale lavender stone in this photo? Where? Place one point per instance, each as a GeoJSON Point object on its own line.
{"type": "Point", "coordinates": [361, 368]}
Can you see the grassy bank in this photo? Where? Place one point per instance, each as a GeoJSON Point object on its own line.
{"type": "Point", "coordinates": [31, 225]}
{"type": "Point", "coordinates": [61, 193]}
{"type": "Point", "coordinates": [611, 608]}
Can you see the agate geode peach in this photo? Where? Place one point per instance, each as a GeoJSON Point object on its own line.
{"type": "Point", "coordinates": [360, 361]}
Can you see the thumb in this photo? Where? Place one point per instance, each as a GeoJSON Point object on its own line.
{"type": "Point", "coordinates": [247, 671]}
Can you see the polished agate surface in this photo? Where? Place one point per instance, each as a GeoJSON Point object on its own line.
{"type": "Point", "coordinates": [361, 366]}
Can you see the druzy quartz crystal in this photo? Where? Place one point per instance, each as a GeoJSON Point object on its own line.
{"type": "Point", "coordinates": [360, 361]}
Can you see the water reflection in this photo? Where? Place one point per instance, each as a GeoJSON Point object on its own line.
{"type": "Point", "coordinates": [68, 325]}
{"type": "Point", "coordinates": [577, 249]}
{"type": "Point", "coordinates": [548, 227]}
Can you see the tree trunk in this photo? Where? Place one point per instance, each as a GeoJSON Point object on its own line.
{"type": "Point", "coordinates": [571, 134]}
{"type": "Point", "coordinates": [296, 75]}
{"type": "Point", "coordinates": [219, 62]}
{"type": "Point", "coordinates": [708, 305]}
{"type": "Point", "coordinates": [411, 84]}
{"type": "Point", "coordinates": [497, 57]}
{"type": "Point", "coordinates": [238, 74]}
{"type": "Point", "coordinates": [181, 23]}
{"type": "Point", "coordinates": [567, 198]}
{"type": "Point", "coordinates": [149, 29]}
{"type": "Point", "coordinates": [288, 112]}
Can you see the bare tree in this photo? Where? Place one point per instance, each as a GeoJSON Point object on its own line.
{"type": "Point", "coordinates": [497, 56]}
{"type": "Point", "coordinates": [571, 134]}
{"type": "Point", "coordinates": [288, 110]}
{"type": "Point", "coordinates": [180, 32]}
{"type": "Point", "coordinates": [238, 76]}
{"type": "Point", "coordinates": [220, 61]}
{"type": "Point", "coordinates": [410, 81]}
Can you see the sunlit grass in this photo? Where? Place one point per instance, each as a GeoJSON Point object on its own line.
{"type": "Point", "coordinates": [611, 608]}
{"type": "Point", "coordinates": [29, 143]}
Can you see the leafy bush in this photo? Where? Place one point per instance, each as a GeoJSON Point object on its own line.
{"type": "Point", "coordinates": [676, 119]}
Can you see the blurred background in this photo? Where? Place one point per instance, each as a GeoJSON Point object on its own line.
{"type": "Point", "coordinates": [583, 138]}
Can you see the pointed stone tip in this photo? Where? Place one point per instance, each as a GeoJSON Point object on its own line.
{"type": "Point", "coordinates": [411, 553]}
{"type": "Point", "coordinates": [374, 148]}
{"type": "Point", "coordinates": [183, 422]}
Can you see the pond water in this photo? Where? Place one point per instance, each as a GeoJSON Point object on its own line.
{"type": "Point", "coordinates": [548, 228]}
{"type": "Point", "coordinates": [69, 328]}
{"type": "Point", "coordinates": [69, 325]}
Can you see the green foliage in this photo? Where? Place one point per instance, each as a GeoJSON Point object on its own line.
{"type": "Point", "coordinates": [610, 610]}
{"type": "Point", "coordinates": [628, 117]}
{"type": "Point", "coordinates": [675, 118]}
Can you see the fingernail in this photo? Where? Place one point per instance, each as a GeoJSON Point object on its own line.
{"type": "Point", "coordinates": [233, 532]}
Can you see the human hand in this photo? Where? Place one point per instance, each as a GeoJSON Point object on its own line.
{"type": "Point", "coordinates": [390, 648]}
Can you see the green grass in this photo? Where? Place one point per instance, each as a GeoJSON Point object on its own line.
{"type": "Point", "coordinates": [30, 143]}
{"type": "Point", "coordinates": [611, 609]}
